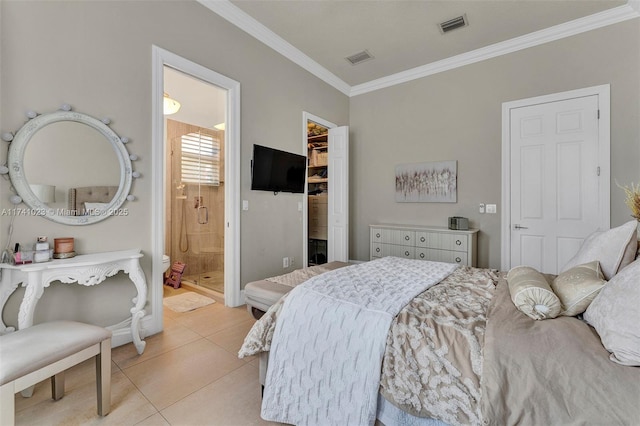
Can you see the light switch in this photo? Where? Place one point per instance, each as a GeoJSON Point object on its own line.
{"type": "Point", "coordinates": [491, 208]}
{"type": "Point", "coordinates": [299, 206]}
{"type": "Point", "coordinates": [245, 205]}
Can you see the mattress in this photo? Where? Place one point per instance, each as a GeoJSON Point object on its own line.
{"type": "Point", "coordinates": [260, 295]}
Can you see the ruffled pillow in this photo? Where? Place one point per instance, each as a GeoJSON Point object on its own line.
{"type": "Point", "coordinates": [615, 314]}
{"type": "Point", "coordinates": [614, 249]}
{"type": "Point", "coordinates": [577, 287]}
{"type": "Point", "coordinates": [532, 294]}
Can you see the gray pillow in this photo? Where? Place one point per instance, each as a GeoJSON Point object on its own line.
{"type": "Point", "coordinates": [532, 294]}
{"type": "Point", "coordinates": [615, 314]}
{"type": "Point", "coordinates": [614, 249]}
{"type": "Point", "coordinates": [577, 287]}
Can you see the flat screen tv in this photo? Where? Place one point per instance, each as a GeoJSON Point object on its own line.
{"type": "Point", "coordinates": [277, 171]}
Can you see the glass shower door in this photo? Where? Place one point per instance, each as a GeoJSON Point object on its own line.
{"type": "Point", "coordinates": [197, 204]}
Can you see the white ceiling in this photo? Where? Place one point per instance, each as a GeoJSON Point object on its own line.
{"type": "Point", "coordinates": [403, 35]}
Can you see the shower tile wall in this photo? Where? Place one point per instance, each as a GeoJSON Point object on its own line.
{"type": "Point", "coordinates": [200, 246]}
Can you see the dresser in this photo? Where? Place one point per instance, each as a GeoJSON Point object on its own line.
{"type": "Point", "coordinates": [424, 242]}
{"type": "Point", "coordinates": [318, 208]}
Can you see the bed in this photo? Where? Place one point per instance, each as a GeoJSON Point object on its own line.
{"type": "Point", "coordinates": [460, 352]}
{"type": "Point", "coordinates": [83, 199]}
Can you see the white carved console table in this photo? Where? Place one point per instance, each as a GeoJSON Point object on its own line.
{"type": "Point", "coordinates": [87, 270]}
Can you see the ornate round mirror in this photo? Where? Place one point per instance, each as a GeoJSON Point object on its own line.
{"type": "Point", "coordinates": [70, 168]}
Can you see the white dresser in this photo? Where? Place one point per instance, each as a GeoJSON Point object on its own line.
{"type": "Point", "coordinates": [424, 242]}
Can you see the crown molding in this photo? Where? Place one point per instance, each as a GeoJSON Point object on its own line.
{"type": "Point", "coordinates": [588, 23]}
{"type": "Point", "coordinates": [245, 22]}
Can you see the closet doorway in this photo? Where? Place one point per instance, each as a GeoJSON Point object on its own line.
{"type": "Point", "coordinates": [326, 206]}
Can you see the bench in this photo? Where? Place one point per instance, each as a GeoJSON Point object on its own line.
{"type": "Point", "coordinates": [260, 295]}
{"type": "Point", "coordinates": [33, 354]}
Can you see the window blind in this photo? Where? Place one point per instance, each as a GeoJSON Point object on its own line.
{"type": "Point", "coordinates": [200, 159]}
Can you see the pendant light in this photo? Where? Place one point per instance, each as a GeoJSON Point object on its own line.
{"type": "Point", "coordinates": [171, 106]}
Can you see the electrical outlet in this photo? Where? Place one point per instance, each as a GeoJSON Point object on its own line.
{"type": "Point", "coordinates": [492, 208]}
{"type": "Point", "coordinates": [285, 262]}
{"type": "Point", "coordinates": [292, 261]}
{"type": "Point", "coordinates": [481, 208]}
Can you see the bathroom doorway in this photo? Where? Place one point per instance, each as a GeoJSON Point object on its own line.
{"type": "Point", "coordinates": [195, 116]}
{"type": "Point", "coordinates": [165, 62]}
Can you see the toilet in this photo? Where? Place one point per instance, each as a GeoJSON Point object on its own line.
{"type": "Point", "coordinates": [166, 263]}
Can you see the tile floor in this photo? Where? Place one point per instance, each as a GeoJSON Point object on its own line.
{"type": "Point", "coordinates": [188, 375]}
{"type": "Point", "coordinates": [212, 280]}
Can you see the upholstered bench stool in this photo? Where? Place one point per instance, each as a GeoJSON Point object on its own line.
{"type": "Point", "coordinates": [36, 353]}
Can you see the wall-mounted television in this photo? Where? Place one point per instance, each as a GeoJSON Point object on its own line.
{"type": "Point", "coordinates": [277, 171]}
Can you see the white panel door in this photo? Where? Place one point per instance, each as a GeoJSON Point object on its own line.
{"type": "Point", "coordinates": [338, 204]}
{"type": "Point", "coordinates": [555, 198]}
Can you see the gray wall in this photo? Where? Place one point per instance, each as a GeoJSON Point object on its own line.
{"type": "Point", "coordinates": [96, 56]}
{"type": "Point", "coordinates": [456, 115]}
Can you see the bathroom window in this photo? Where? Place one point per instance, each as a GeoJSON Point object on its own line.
{"type": "Point", "coordinates": [200, 159]}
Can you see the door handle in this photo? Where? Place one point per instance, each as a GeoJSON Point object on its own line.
{"type": "Point", "coordinates": [516, 226]}
{"type": "Point", "coordinates": [203, 220]}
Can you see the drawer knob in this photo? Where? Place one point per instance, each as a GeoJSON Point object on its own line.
{"type": "Point", "coordinates": [378, 235]}
{"type": "Point", "coordinates": [458, 260]}
{"type": "Point", "coordinates": [423, 239]}
{"type": "Point", "coordinates": [406, 238]}
{"type": "Point", "coordinates": [421, 255]}
{"type": "Point", "coordinates": [458, 242]}
{"type": "Point", "coordinates": [406, 253]}
{"type": "Point", "coordinates": [377, 249]}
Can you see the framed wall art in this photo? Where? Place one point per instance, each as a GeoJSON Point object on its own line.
{"type": "Point", "coordinates": [431, 182]}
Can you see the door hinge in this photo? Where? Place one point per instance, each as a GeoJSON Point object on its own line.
{"type": "Point", "coordinates": [598, 171]}
{"type": "Point", "coordinates": [598, 114]}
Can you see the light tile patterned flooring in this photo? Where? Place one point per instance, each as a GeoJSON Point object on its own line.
{"type": "Point", "coordinates": [188, 375]}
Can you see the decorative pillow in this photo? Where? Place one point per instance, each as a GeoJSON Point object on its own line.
{"type": "Point", "coordinates": [614, 249]}
{"type": "Point", "coordinates": [577, 287]}
{"type": "Point", "coordinates": [615, 314]}
{"type": "Point", "coordinates": [531, 293]}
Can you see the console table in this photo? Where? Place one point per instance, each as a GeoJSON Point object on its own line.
{"type": "Point", "coordinates": [87, 270]}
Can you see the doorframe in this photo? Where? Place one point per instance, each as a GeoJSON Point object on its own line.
{"type": "Point", "coordinates": [604, 150]}
{"type": "Point", "coordinates": [307, 116]}
{"type": "Point", "coordinates": [160, 59]}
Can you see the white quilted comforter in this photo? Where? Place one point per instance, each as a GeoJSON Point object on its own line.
{"type": "Point", "coordinates": [313, 375]}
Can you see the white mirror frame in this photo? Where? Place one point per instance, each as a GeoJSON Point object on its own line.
{"type": "Point", "coordinates": [18, 179]}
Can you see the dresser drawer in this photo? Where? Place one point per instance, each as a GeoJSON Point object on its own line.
{"type": "Point", "coordinates": [318, 220]}
{"type": "Point", "coordinates": [437, 240]}
{"type": "Point", "coordinates": [382, 250]}
{"type": "Point", "coordinates": [436, 255]}
{"type": "Point", "coordinates": [393, 236]}
{"type": "Point", "coordinates": [318, 232]}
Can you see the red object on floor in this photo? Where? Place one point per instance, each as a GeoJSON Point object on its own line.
{"type": "Point", "coordinates": [175, 274]}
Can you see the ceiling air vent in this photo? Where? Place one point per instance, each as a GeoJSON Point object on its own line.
{"type": "Point", "coordinates": [452, 24]}
{"type": "Point", "coordinates": [359, 57]}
